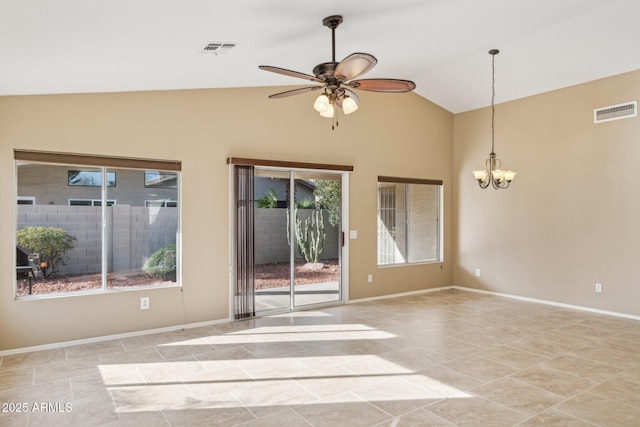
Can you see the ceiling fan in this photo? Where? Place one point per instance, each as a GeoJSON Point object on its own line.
{"type": "Point", "coordinates": [336, 78]}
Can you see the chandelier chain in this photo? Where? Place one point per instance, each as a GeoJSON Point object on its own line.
{"type": "Point", "coordinates": [493, 97]}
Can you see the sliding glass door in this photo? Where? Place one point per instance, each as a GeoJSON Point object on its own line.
{"type": "Point", "coordinates": [297, 238]}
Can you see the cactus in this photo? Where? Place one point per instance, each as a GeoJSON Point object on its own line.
{"type": "Point", "coordinates": [310, 235]}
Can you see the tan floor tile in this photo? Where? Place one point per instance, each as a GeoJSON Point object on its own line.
{"type": "Point", "coordinates": [620, 389]}
{"type": "Point", "coordinates": [169, 371]}
{"type": "Point", "coordinates": [153, 397]}
{"type": "Point", "coordinates": [268, 397]}
{"type": "Point", "coordinates": [520, 397]}
{"type": "Point", "coordinates": [16, 377]}
{"type": "Point", "coordinates": [120, 374]}
{"type": "Point", "coordinates": [14, 419]}
{"type": "Point", "coordinates": [513, 357]}
{"type": "Point", "coordinates": [557, 382]}
{"type": "Point", "coordinates": [480, 368]}
{"type": "Point", "coordinates": [53, 391]}
{"type": "Point", "coordinates": [96, 349]}
{"type": "Point", "coordinates": [444, 381]}
{"type": "Point", "coordinates": [282, 419]}
{"type": "Point", "coordinates": [555, 419]}
{"type": "Point", "coordinates": [143, 355]}
{"type": "Point", "coordinates": [334, 411]}
{"type": "Point", "coordinates": [601, 411]}
{"type": "Point", "coordinates": [89, 386]}
{"type": "Point", "coordinates": [323, 387]}
{"type": "Point", "coordinates": [417, 418]}
{"type": "Point", "coordinates": [215, 383]}
{"type": "Point", "coordinates": [208, 417]}
{"type": "Point", "coordinates": [582, 367]}
{"type": "Point", "coordinates": [415, 358]}
{"type": "Point", "coordinates": [93, 411]}
{"type": "Point", "coordinates": [64, 370]}
{"type": "Point", "coordinates": [139, 419]}
{"type": "Point", "coordinates": [542, 345]}
{"type": "Point", "coordinates": [179, 350]}
{"type": "Point", "coordinates": [475, 412]}
{"type": "Point", "coordinates": [396, 396]}
{"type": "Point", "coordinates": [150, 340]}
{"type": "Point", "coordinates": [274, 349]}
{"type": "Point", "coordinates": [34, 358]}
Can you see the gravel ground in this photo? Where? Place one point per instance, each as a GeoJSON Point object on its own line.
{"type": "Point", "coordinates": [267, 276]}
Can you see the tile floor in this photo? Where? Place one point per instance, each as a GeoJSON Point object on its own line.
{"type": "Point", "coordinates": [449, 358]}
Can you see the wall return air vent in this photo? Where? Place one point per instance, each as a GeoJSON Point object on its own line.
{"type": "Point", "coordinates": [615, 112]}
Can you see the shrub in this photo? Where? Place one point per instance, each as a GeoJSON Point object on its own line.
{"type": "Point", "coordinates": [268, 201]}
{"type": "Point", "coordinates": [162, 263]}
{"type": "Point", "coordinates": [50, 243]}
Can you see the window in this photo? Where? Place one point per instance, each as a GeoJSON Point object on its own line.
{"type": "Point", "coordinates": [158, 179]}
{"type": "Point", "coordinates": [161, 203]}
{"type": "Point", "coordinates": [90, 178]}
{"type": "Point", "coordinates": [84, 240]}
{"type": "Point", "coordinates": [26, 200]}
{"type": "Point", "coordinates": [409, 229]}
{"type": "Point", "coordinates": [88, 202]}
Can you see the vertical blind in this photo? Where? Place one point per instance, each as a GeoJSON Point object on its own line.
{"type": "Point", "coordinates": [244, 306]}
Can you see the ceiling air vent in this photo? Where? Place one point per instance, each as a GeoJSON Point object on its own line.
{"type": "Point", "coordinates": [218, 48]}
{"type": "Point", "coordinates": [615, 112]}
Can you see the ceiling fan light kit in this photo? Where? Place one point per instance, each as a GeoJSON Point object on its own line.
{"type": "Point", "coordinates": [335, 79]}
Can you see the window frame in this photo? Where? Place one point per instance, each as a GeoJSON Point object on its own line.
{"type": "Point", "coordinates": [439, 228]}
{"type": "Point", "coordinates": [105, 164]}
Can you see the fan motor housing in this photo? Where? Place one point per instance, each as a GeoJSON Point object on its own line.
{"type": "Point", "coordinates": [326, 69]}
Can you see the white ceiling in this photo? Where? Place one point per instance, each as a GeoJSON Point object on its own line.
{"type": "Point", "coordinates": [71, 46]}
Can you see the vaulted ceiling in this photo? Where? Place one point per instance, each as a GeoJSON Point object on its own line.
{"type": "Point", "coordinates": [75, 46]}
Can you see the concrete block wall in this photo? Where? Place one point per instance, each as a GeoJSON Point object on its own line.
{"type": "Point", "coordinates": [134, 233]}
{"type": "Point", "coordinates": [270, 237]}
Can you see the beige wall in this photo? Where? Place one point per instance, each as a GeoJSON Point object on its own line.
{"type": "Point", "coordinates": [394, 135]}
{"type": "Point", "coordinates": [572, 216]}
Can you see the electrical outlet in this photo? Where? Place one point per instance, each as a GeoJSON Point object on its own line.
{"type": "Point", "coordinates": [477, 272]}
{"type": "Point", "coordinates": [598, 287]}
{"type": "Point", "coordinates": [144, 303]}
{"type": "Point", "coordinates": [370, 278]}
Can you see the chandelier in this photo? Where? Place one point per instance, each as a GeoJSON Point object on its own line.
{"type": "Point", "coordinates": [493, 174]}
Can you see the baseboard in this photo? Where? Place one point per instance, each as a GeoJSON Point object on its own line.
{"type": "Point", "coordinates": [355, 301]}
{"type": "Point", "coordinates": [401, 294]}
{"type": "Point", "coordinates": [547, 302]}
{"type": "Point", "coordinates": [110, 337]}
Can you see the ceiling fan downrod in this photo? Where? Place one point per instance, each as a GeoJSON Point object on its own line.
{"type": "Point", "coordinates": [332, 22]}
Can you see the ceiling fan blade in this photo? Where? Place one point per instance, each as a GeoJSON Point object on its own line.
{"type": "Point", "coordinates": [383, 85]}
{"type": "Point", "coordinates": [354, 65]}
{"type": "Point", "coordinates": [294, 92]}
{"type": "Point", "coordinates": [290, 73]}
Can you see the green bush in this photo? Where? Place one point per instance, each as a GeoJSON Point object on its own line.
{"type": "Point", "coordinates": [162, 264]}
{"type": "Point", "coordinates": [268, 201]}
{"type": "Point", "coordinates": [50, 243]}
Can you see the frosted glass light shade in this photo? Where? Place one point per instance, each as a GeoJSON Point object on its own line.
{"type": "Point", "coordinates": [328, 113]}
{"type": "Point", "coordinates": [509, 175]}
{"type": "Point", "coordinates": [480, 174]}
{"type": "Point", "coordinates": [349, 105]}
{"type": "Point", "coordinates": [498, 175]}
{"type": "Point", "coordinates": [321, 104]}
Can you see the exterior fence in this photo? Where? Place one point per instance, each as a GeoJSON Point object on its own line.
{"type": "Point", "coordinates": [134, 233]}
{"type": "Point", "coordinates": [271, 245]}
